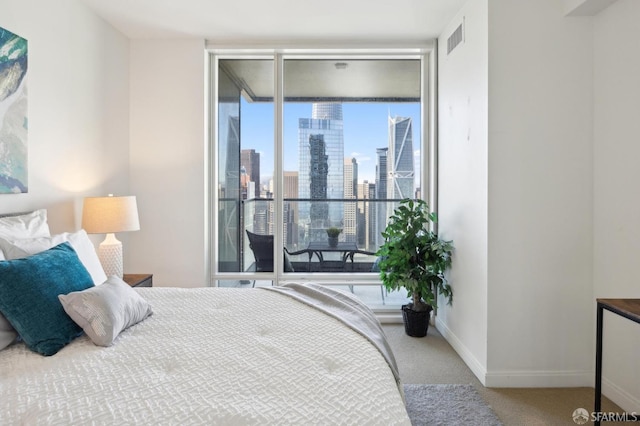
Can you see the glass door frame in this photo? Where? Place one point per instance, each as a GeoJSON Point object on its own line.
{"type": "Point", "coordinates": [425, 53]}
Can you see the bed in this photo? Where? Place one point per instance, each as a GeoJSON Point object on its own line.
{"type": "Point", "coordinates": [210, 356]}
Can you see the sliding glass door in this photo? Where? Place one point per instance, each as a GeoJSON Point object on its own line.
{"type": "Point", "coordinates": [243, 159]}
{"type": "Point", "coordinates": [302, 144]}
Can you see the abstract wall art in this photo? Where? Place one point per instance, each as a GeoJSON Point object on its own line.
{"type": "Point", "coordinates": [13, 113]}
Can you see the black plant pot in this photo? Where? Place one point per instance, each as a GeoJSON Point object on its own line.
{"type": "Point", "coordinates": [333, 241]}
{"type": "Point", "coordinates": [416, 323]}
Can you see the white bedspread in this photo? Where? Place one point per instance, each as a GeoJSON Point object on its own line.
{"type": "Point", "coordinates": [208, 356]}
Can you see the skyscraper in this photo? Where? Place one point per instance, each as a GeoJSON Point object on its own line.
{"type": "Point", "coordinates": [400, 183]}
{"type": "Point", "coordinates": [366, 216]}
{"type": "Point", "coordinates": [319, 171]}
{"type": "Point", "coordinates": [290, 184]}
{"type": "Point", "coordinates": [381, 173]}
{"type": "Point", "coordinates": [350, 193]}
{"type": "Point", "coordinates": [380, 207]}
{"type": "Point", "coordinates": [290, 209]}
{"type": "Point", "coordinates": [250, 160]}
{"type": "Point", "coordinates": [321, 156]}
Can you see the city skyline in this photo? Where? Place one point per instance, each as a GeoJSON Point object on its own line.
{"type": "Point", "coordinates": [324, 173]}
{"type": "Point", "coordinates": [365, 129]}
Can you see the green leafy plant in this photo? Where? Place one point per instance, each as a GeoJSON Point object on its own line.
{"type": "Point", "coordinates": [333, 231]}
{"type": "Point", "coordinates": [413, 257]}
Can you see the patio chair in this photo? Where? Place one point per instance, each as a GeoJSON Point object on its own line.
{"type": "Point", "coordinates": [262, 248]}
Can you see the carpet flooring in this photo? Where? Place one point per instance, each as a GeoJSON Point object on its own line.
{"type": "Point", "coordinates": [447, 404]}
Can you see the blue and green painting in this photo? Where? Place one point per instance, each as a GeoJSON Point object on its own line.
{"type": "Point", "coordinates": [13, 113]}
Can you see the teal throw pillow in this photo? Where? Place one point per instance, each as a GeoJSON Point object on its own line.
{"type": "Point", "coordinates": [29, 289]}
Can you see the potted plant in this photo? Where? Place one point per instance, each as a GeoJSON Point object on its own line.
{"type": "Point", "coordinates": [413, 257]}
{"type": "Point", "coordinates": [332, 235]}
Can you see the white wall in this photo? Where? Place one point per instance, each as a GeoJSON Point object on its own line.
{"type": "Point", "coordinates": [516, 193]}
{"type": "Point", "coordinates": [80, 74]}
{"type": "Point", "coordinates": [540, 316]}
{"type": "Point", "coordinates": [78, 107]}
{"type": "Point", "coordinates": [167, 152]}
{"type": "Point", "coordinates": [616, 225]}
{"type": "Point", "coordinates": [462, 179]}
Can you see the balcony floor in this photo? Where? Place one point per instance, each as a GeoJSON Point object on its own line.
{"type": "Point", "coordinates": [332, 266]}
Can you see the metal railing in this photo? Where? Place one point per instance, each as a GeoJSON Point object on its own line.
{"type": "Point", "coordinates": [305, 221]}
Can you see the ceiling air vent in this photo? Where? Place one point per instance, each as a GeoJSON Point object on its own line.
{"type": "Point", "coordinates": [455, 38]}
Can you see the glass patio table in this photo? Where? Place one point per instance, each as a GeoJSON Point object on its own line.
{"type": "Point", "coordinates": [319, 248]}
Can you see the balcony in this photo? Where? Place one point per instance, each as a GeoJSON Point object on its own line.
{"type": "Point", "coordinates": [305, 223]}
{"type": "Point", "coordinates": [306, 243]}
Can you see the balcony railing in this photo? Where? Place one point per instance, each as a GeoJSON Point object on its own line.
{"type": "Point", "coordinates": [305, 222]}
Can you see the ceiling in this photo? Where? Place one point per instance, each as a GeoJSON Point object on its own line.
{"type": "Point", "coordinates": [270, 21]}
{"type": "Point", "coordinates": [318, 80]}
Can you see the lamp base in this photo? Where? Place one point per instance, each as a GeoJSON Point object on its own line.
{"type": "Point", "coordinates": [110, 255]}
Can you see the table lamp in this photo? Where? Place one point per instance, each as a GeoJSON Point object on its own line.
{"type": "Point", "coordinates": [108, 215]}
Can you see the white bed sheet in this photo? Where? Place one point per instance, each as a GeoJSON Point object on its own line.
{"type": "Point", "coordinates": [208, 356]}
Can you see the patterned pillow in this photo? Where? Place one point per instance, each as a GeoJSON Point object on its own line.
{"type": "Point", "coordinates": [105, 310]}
{"type": "Point", "coordinates": [29, 290]}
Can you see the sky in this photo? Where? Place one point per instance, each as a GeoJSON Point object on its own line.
{"type": "Point", "coordinates": [365, 130]}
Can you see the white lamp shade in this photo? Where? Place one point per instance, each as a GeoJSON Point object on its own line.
{"type": "Point", "coordinates": [104, 215]}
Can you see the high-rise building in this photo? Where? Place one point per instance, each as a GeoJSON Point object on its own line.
{"type": "Point", "coordinates": [258, 214]}
{"type": "Point", "coordinates": [290, 236]}
{"type": "Point", "coordinates": [381, 173]}
{"type": "Point", "coordinates": [321, 156]}
{"type": "Point", "coordinates": [366, 219]}
{"type": "Point", "coordinates": [318, 173]}
{"type": "Point", "coordinates": [400, 183]}
{"type": "Point", "coordinates": [244, 181]}
{"type": "Point", "coordinates": [290, 185]}
{"type": "Point", "coordinates": [400, 171]}
{"type": "Point", "coordinates": [349, 228]}
{"type": "Point", "coordinates": [250, 160]}
{"type": "Point", "coordinates": [379, 210]}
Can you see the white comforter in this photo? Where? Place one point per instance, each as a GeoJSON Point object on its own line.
{"type": "Point", "coordinates": [207, 356]}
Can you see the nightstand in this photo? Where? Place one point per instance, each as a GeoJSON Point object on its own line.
{"type": "Point", "coordinates": [138, 280]}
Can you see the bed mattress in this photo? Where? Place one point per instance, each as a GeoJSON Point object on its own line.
{"type": "Point", "coordinates": [208, 356]}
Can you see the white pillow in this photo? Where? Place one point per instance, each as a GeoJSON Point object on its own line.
{"type": "Point", "coordinates": [29, 225]}
{"type": "Point", "coordinates": [104, 311]}
{"type": "Point", "coordinates": [2, 255]}
{"type": "Point", "coordinates": [17, 249]}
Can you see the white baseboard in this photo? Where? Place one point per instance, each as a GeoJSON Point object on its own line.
{"type": "Point", "coordinates": [539, 379]}
{"type": "Point", "coordinates": [519, 379]}
{"type": "Point", "coordinates": [624, 399]}
{"type": "Point", "coordinates": [476, 367]}
{"type": "Point", "coordinates": [532, 379]}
